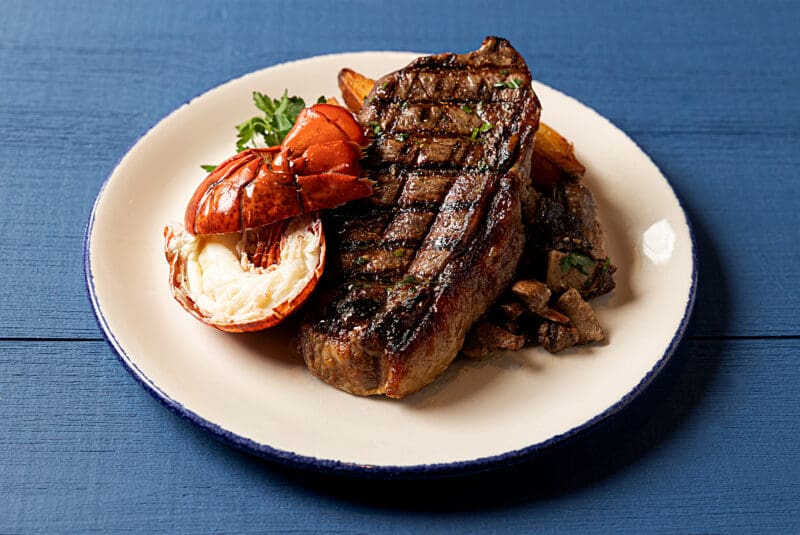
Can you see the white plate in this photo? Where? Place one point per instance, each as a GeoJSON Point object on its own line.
{"type": "Point", "coordinates": [254, 392]}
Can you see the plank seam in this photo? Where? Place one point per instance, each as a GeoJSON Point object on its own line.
{"type": "Point", "coordinates": [48, 339]}
{"type": "Point", "coordinates": [699, 338]}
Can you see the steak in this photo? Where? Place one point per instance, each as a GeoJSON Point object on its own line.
{"type": "Point", "coordinates": [411, 268]}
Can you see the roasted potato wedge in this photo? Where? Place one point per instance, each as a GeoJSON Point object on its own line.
{"type": "Point", "coordinates": [552, 145]}
{"type": "Point", "coordinates": [553, 156]}
{"type": "Point", "coordinates": [354, 87]}
{"type": "Point", "coordinates": [553, 159]}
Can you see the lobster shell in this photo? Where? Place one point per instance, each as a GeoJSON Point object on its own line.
{"type": "Point", "coordinates": [256, 208]}
{"type": "Point", "coordinates": [315, 168]}
{"type": "Point", "coordinates": [266, 250]}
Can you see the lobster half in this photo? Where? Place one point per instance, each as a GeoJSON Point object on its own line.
{"type": "Point", "coordinates": [252, 247]}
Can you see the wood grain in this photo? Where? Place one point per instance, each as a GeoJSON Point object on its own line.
{"type": "Point", "coordinates": [708, 89]}
{"type": "Point", "coordinates": [709, 447]}
{"type": "Point", "coordinates": [729, 146]}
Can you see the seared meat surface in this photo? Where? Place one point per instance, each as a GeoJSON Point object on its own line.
{"type": "Point", "coordinates": [411, 268]}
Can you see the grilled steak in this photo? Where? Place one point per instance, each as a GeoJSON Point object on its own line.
{"type": "Point", "coordinates": [414, 266]}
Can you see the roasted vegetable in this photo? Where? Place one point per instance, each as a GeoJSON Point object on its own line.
{"type": "Point", "coordinates": [354, 87]}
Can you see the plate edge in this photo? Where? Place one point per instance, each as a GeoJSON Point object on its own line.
{"type": "Point", "coordinates": [296, 460]}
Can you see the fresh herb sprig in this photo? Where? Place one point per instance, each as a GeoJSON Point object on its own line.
{"type": "Point", "coordinates": [514, 83]}
{"type": "Point", "coordinates": [279, 117]}
{"type": "Point", "coordinates": [579, 261]}
{"type": "Point", "coordinates": [269, 129]}
{"type": "Point", "coordinates": [478, 130]}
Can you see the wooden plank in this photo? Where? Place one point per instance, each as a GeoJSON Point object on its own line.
{"type": "Point", "coordinates": [708, 89]}
{"type": "Point", "coordinates": [709, 447]}
{"type": "Point", "coordinates": [73, 98]}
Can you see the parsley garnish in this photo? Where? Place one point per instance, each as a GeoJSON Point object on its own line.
{"type": "Point", "coordinates": [322, 100]}
{"type": "Point", "coordinates": [579, 261]}
{"type": "Point", "coordinates": [514, 83]}
{"type": "Point", "coordinates": [408, 279]}
{"type": "Point", "coordinates": [401, 136]}
{"type": "Point", "coordinates": [478, 130]}
{"type": "Point", "coordinates": [399, 252]}
{"type": "Point", "coordinates": [466, 108]}
{"type": "Point", "coordinates": [279, 117]}
{"type": "Point", "coordinates": [361, 260]}
{"type": "Point", "coordinates": [376, 128]}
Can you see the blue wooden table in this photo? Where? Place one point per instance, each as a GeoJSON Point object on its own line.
{"type": "Point", "coordinates": [709, 90]}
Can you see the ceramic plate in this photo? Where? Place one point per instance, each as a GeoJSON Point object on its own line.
{"type": "Point", "coordinates": [253, 391]}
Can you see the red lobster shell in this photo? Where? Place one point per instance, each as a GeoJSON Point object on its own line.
{"type": "Point", "coordinates": [253, 248]}
{"type": "Point", "coordinates": [315, 168]}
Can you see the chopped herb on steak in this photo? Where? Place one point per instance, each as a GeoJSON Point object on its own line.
{"type": "Point", "coordinates": [450, 159]}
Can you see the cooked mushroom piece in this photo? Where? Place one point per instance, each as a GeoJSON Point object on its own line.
{"type": "Point", "coordinates": [512, 310]}
{"type": "Point", "coordinates": [556, 337]}
{"type": "Point", "coordinates": [602, 280]}
{"type": "Point", "coordinates": [580, 271]}
{"type": "Point", "coordinates": [568, 270]}
{"type": "Point", "coordinates": [533, 293]}
{"type": "Point", "coordinates": [486, 338]}
{"type": "Point", "coordinates": [582, 316]}
{"type": "Point", "coordinates": [536, 295]}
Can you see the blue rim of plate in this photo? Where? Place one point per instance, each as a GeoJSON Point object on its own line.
{"type": "Point", "coordinates": [295, 460]}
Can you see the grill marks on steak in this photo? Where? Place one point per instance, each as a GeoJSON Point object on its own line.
{"type": "Point", "coordinates": [414, 265]}
{"type": "Point", "coordinates": [451, 141]}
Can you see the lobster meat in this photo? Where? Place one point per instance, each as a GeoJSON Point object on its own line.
{"type": "Point", "coordinates": [252, 247]}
